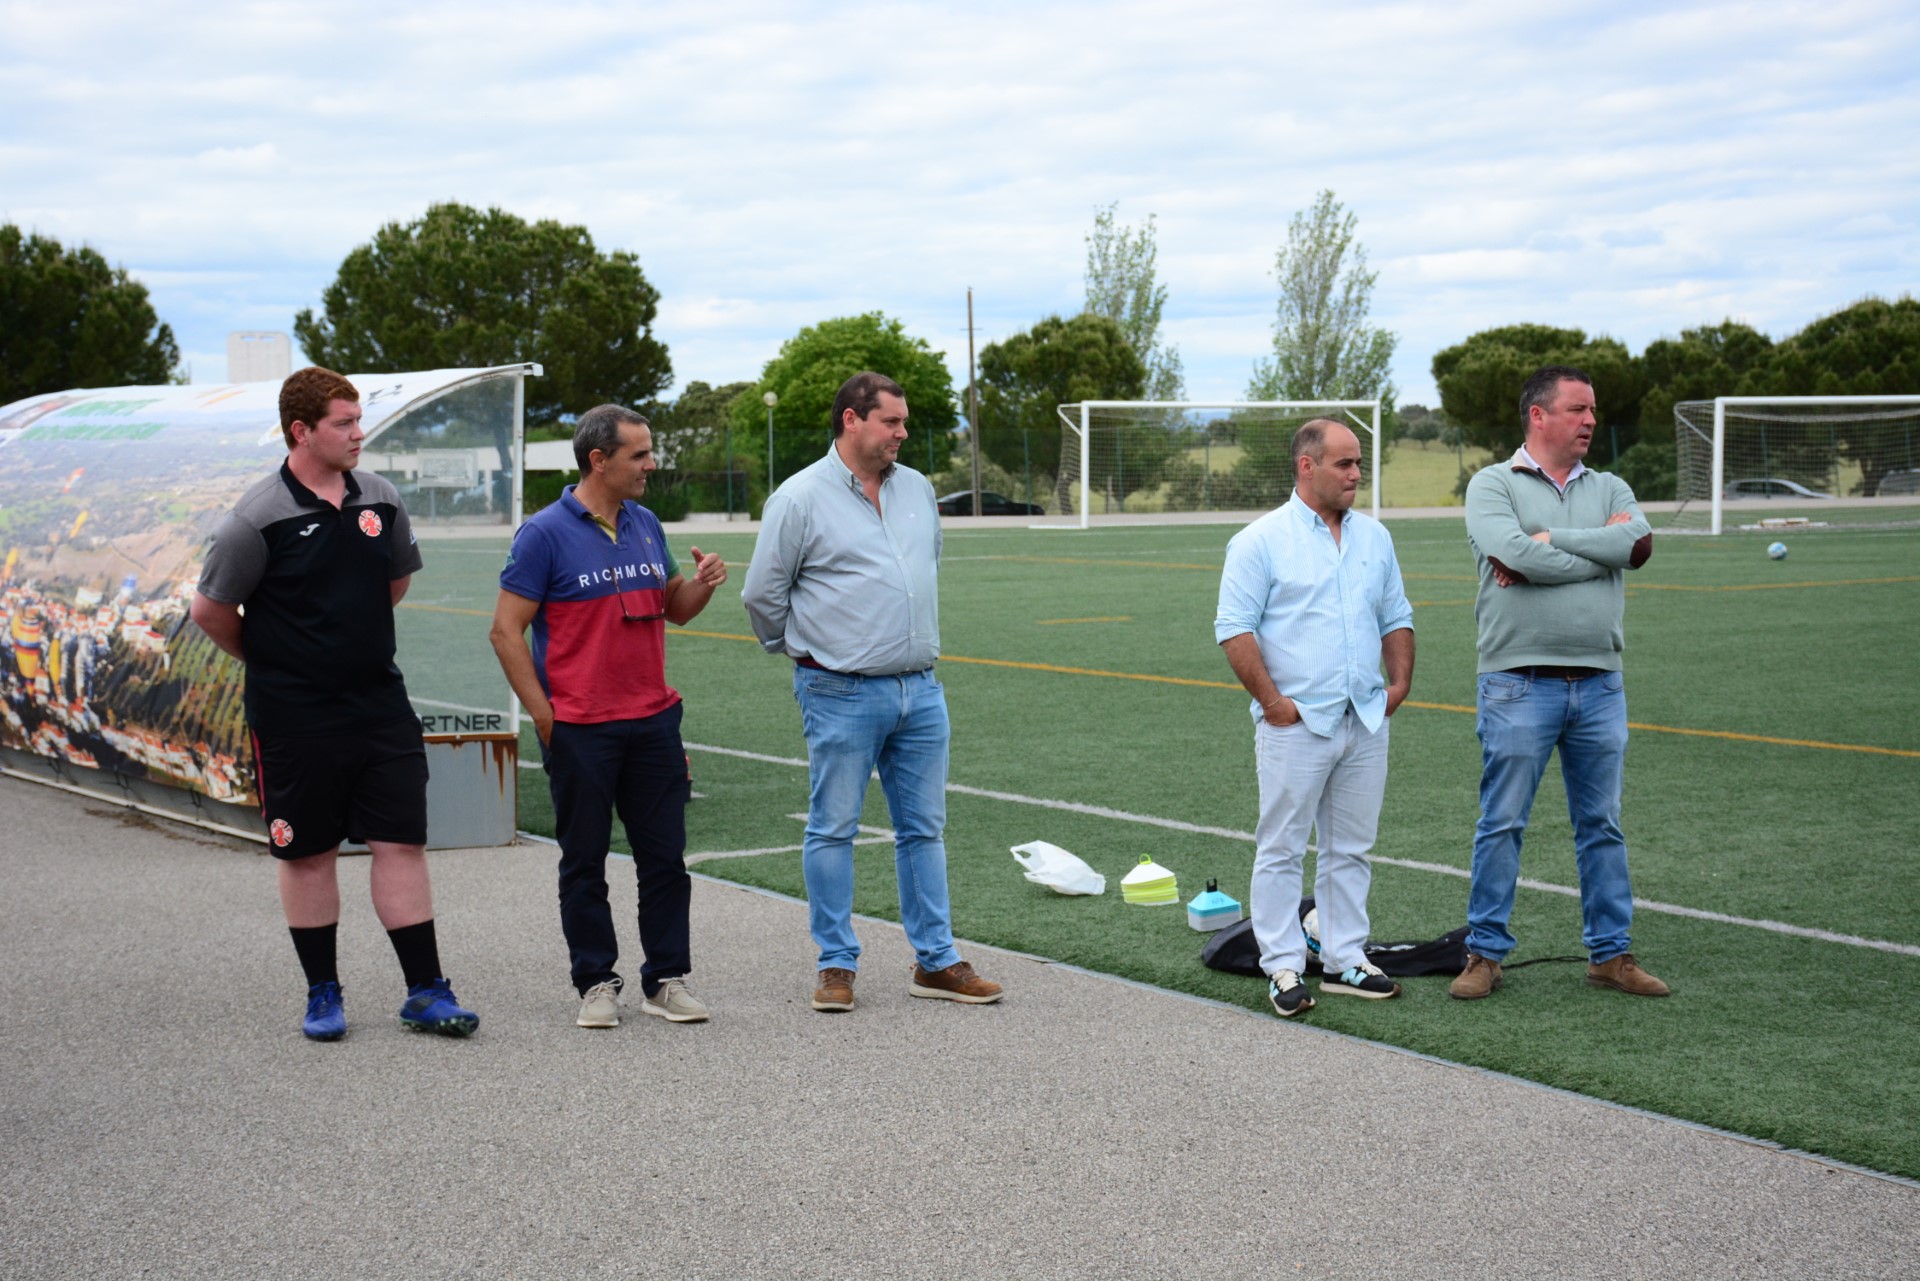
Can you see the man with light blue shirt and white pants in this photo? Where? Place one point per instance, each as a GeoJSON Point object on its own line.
{"type": "Point", "coordinates": [844, 580]}
{"type": "Point", "coordinates": [1311, 606]}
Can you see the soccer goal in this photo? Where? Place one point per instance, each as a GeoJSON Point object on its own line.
{"type": "Point", "coordinates": [1153, 457]}
{"type": "Point", "coordinates": [1791, 449]}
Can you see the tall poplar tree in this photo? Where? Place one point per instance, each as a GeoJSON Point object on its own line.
{"type": "Point", "coordinates": [1122, 285]}
{"type": "Point", "coordinates": [1324, 348]}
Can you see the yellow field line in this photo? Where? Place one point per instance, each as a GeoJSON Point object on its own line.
{"type": "Point", "coordinates": [1092, 560]}
{"type": "Point", "coordinates": [1772, 587]}
{"type": "Point", "coordinates": [1212, 568]}
{"type": "Point", "coordinates": [1779, 742]}
{"type": "Point", "coordinates": [1088, 671]}
{"type": "Point", "coordinates": [1058, 669]}
{"type": "Point", "coordinates": [1431, 707]}
{"type": "Point", "coordinates": [1464, 578]}
{"type": "Point", "coordinates": [446, 609]}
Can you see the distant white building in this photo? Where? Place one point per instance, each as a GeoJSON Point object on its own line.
{"type": "Point", "coordinates": [258, 356]}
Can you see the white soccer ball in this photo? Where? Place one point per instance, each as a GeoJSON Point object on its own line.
{"type": "Point", "coordinates": [1776, 551]}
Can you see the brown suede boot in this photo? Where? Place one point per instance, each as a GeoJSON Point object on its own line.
{"type": "Point", "coordinates": [835, 991]}
{"type": "Point", "coordinates": [957, 982]}
{"type": "Point", "coordinates": [1480, 978]}
{"type": "Point", "coordinates": [1623, 974]}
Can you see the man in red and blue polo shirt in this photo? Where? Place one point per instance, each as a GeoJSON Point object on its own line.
{"type": "Point", "coordinates": [593, 577]}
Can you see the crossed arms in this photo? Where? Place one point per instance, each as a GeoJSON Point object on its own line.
{"type": "Point", "coordinates": [1552, 557]}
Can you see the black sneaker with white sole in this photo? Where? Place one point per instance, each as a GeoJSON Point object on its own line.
{"type": "Point", "coordinates": [1360, 980]}
{"type": "Point", "coordinates": [1288, 994]}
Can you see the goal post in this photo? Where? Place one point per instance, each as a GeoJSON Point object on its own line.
{"type": "Point", "coordinates": [1791, 448]}
{"type": "Point", "coordinates": [1159, 456]}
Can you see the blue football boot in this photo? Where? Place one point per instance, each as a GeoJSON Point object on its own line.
{"type": "Point", "coordinates": [326, 1020]}
{"type": "Point", "coordinates": [430, 1007]}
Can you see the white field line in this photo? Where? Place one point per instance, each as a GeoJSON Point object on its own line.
{"type": "Point", "coordinates": [1175, 825]}
{"type": "Point", "coordinates": [875, 836]}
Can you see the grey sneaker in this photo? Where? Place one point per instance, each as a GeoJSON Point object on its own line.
{"type": "Point", "coordinates": [675, 1003]}
{"type": "Point", "coordinates": [600, 1007]}
{"type": "Point", "coordinates": [1364, 979]}
{"type": "Point", "coordinates": [1288, 995]}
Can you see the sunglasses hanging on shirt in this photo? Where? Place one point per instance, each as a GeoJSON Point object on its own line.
{"type": "Point", "coordinates": [620, 594]}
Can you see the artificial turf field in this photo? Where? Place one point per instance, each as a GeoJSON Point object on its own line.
{"type": "Point", "coordinates": [1772, 802]}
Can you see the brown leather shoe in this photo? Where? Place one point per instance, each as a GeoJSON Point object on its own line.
{"type": "Point", "coordinates": [1623, 974]}
{"type": "Point", "coordinates": [835, 991]}
{"type": "Point", "coordinates": [1480, 978]}
{"type": "Point", "coordinates": [957, 982]}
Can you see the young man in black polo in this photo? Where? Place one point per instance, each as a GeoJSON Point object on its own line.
{"type": "Point", "coordinates": [318, 554]}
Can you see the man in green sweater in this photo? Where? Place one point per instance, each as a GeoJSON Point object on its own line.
{"type": "Point", "coordinates": [1553, 542]}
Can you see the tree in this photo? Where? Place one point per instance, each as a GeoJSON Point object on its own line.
{"type": "Point", "coordinates": [67, 319]}
{"type": "Point", "coordinates": [690, 432]}
{"type": "Point", "coordinates": [807, 374]}
{"type": "Point", "coordinates": [1869, 349]}
{"type": "Point", "coordinates": [1323, 347]}
{"type": "Point", "coordinates": [693, 442]}
{"type": "Point", "coordinates": [1024, 380]}
{"type": "Point", "coordinates": [1417, 422]}
{"type": "Point", "coordinates": [459, 288]}
{"type": "Point", "coordinates": [1480, 379]}
{"type": "Point", "coordinates": [1121, 286]}
{"type": "Point", "coordinates": [1727, 359]}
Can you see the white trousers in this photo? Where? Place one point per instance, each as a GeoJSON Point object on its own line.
{"type": "Point", "coordinates": [1333, 786]}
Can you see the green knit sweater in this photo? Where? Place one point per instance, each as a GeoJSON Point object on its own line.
{"type": "Point", "coordinates": [1569, 611]}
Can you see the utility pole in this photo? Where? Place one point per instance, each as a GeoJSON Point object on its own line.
{"type": "Point", "coordinates": [973, 405]}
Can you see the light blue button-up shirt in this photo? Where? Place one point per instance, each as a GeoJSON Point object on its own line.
{"type": "Point", "coordinates": [834, 581]}
{"type": "Point", "coordinates": [1318, 609]}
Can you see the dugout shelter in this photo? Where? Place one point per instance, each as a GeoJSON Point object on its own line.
{"type": "Point", "coordinates": [107, 499]}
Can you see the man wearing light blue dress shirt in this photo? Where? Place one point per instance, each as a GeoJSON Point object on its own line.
{"type": "Point", "coordinates": [844, 580]}
{"type": "Point", "coordinates": [1311, 606]}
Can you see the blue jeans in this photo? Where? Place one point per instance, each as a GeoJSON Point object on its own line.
{"type": "Point", "coordinates": [1521, 720]}
{"type": "Point", "coordinates": [854, 725]}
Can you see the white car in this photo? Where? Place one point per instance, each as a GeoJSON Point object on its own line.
{"type": "Point", "coordinates": [1767, 487]}
{"type": "Point", "coordinates": [1899, 482]}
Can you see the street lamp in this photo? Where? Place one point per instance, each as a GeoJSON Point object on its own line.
{"type": "Point", "coordinates": [770, 400]}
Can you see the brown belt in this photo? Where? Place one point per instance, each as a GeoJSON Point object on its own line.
{"type": "Point", "coordinates": [1558, 673]}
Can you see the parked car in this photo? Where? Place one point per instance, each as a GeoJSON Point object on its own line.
{"type": "Point", "coordinates": [1767, 487]}
{"type": "Point", "coordinates": [991, 504]}
{"type": "Point", "coordinates": [1899, 482]}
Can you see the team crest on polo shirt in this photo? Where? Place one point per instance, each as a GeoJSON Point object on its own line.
{"type": "Point", "coordinates": [370, 523]}
{"type": "Point", "coordinates": [282, 832]}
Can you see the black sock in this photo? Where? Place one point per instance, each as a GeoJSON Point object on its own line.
{"type": "Point", "coordinates": [315, 946]}
{"type": "Point", "coordinates": [418, 952]}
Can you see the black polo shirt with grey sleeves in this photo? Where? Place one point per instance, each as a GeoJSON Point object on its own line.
{"type": "Point", "coordinates": [314, 587]}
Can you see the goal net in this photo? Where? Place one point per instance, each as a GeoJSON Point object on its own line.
{"type": "Point", "coordinates": [1151, 457]}
{"type": "Point", "coordinates": [1779, 453]}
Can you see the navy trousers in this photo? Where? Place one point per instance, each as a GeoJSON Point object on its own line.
{"type": "Point", "coordinates": [638, 769]}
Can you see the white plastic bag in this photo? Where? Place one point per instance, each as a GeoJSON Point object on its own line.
{"type": "Point", "coordinates": [1059, 871]}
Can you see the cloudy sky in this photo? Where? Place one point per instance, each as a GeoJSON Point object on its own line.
{"type": "Point", "coordinates": [1622, 168]}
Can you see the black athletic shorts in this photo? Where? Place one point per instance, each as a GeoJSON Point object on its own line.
{"type": "Point", "coordinates": [318, 792]}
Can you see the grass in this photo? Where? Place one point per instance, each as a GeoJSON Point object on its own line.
{"type": "Point", "coordinates": [1417, 474]}
{"type": "Point", "coordinates": [1774, 775]}
{"type": "Point", "coordinates": [1423, 473]}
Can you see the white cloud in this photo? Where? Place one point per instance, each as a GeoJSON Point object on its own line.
{"type": "Point", "coordinates": [260, 158]}
{"type": "Point", "coordinates": [1630, 170]}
